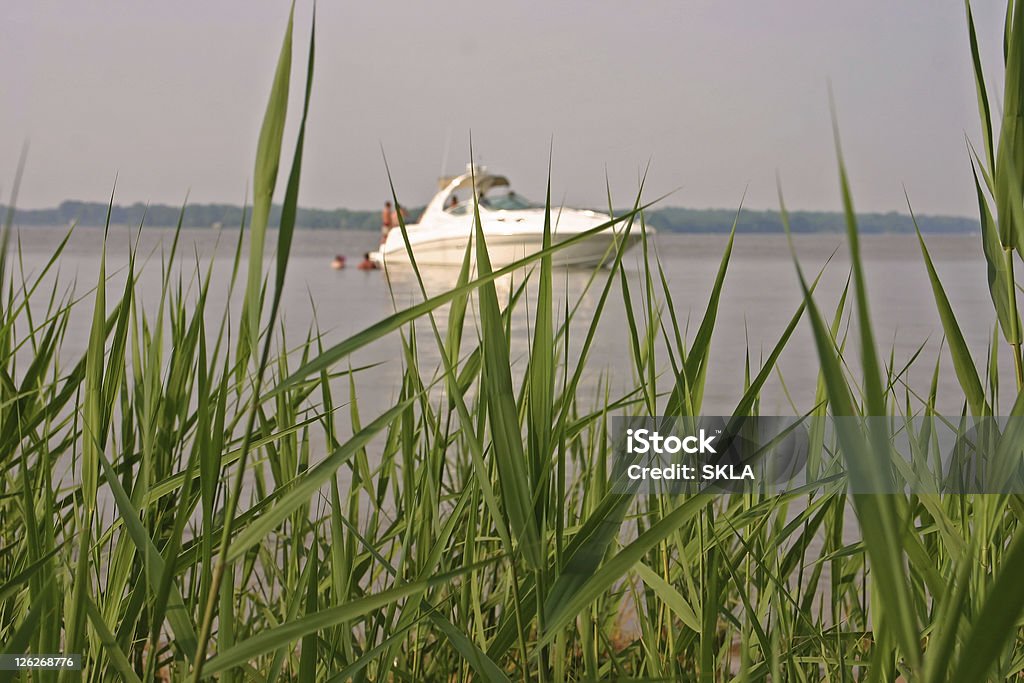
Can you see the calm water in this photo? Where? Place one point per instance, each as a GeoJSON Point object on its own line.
{"type": "Point", "coordinates": [760, 296]}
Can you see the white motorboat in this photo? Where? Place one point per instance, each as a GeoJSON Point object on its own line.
{"type": "Point", "coordinates": [513, 228]}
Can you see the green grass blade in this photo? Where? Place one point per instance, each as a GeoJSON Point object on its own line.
{"type": "Point", "coordinates": [979, 81]}
{"type": "Point", "coordinates": [177, 614]}
{"type": "Point", "coordinates": [268, 156]}
{"type": "Point", "coordinates": [867, 457]}
{"type": "Point", "coordinates": [496, 387]}
{"type": "Point", "coordinates": [577, 599]}
{"type": "Point", "coordinates": [476, 657]}
{"type": "Point", "coordinates": [997, 624]}
{"type": "Point", "coordinates": [1000, 271]}
{"type": "Point", "coordinates": [963, 364]}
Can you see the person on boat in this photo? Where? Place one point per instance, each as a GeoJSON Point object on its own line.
{"type": "Point", "coordinates": [453, 201]}
{"type": "Point", "coordinates": [389, 220]}
{"type": "Point", "coordinates": [366, 263]}
{"type": "Point", "coordinates": [338, 263]}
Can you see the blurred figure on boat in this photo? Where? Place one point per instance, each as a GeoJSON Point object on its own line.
{"type": "Point", "coordinates": [389, 220]}
{"type": "Point", "coordinates": [453, 201]}
{"type": "Point", "coordinates": [338, 263]}
{"type": "Point", "coordinates": [366, 263]}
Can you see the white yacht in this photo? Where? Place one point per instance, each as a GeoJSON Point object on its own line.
{"type": "Point", "coordinates": [513, 227]}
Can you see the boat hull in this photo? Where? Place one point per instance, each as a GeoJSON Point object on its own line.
{"type": "Point", "coordinates": [503, 250]}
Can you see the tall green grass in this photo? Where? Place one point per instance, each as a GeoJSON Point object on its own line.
{"type": "Point", "coordinates": [471, 530]}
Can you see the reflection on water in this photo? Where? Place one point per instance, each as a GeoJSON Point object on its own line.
{"type": "Point", "coordinates": [575, 288]}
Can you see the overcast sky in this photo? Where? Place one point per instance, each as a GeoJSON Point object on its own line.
{"type": "Point", "coordinates": [718, 96]}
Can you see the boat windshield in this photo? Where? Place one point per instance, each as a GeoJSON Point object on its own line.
{"type": "Point", "coordinates": [508, 201]}
{"type": "Point", "coordinates": [493, 201]}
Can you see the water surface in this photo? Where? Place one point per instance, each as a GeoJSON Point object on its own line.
{"type": "Point", "coordinates": [761, 295]}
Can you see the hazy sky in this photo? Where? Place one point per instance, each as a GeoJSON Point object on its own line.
{"type": "Point", "coordinates": [717, 95]}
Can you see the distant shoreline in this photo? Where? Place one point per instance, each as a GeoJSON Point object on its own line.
{"type": "Point", "coordinates": [666, 219]}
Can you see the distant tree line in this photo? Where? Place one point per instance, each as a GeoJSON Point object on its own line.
{"type": "Point", "coordinates": [194, 216]}
{"type": "Point", "coordinates": [676, 219]}
{"type": "Point", "coordinates": [668, 219]}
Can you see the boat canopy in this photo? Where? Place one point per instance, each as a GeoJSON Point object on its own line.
{"type": "Point", "coordinates": [484, 181]}
{"type": "Point", "coordinates": [464, 184]}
